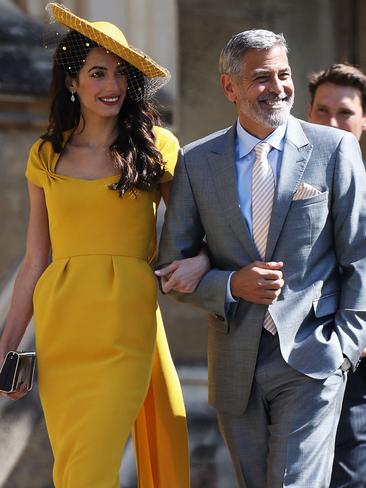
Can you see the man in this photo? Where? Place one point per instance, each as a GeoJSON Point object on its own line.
{"type": "Point", "coordinates": [286, 299]}
{"type": "Point", "coordinates": [338, 99]}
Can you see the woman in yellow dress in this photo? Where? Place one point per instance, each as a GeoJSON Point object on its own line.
{"type": "Point", "coordinates": [95, 181]}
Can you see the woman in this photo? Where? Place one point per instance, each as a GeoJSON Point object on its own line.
{"type": "Point", "coordinates": [95, 180]}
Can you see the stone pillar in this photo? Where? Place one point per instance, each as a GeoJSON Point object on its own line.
{"type": "Point", "coordinates": [36, 8]}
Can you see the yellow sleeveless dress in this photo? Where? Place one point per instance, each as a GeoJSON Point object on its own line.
{"type": "Point", "coordinates": [104, 367]}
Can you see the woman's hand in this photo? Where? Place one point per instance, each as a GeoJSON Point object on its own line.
{"type": "Point", "coordinates": [15, 395]}
{"type": "Point", "coordinates": [183, 275]}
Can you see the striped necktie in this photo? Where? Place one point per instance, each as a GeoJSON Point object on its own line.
{"type": "Point", "coordinates": [263, 187]}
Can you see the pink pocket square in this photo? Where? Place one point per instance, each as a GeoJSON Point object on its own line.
{"type": "Point", "coordinates": [305, 191]}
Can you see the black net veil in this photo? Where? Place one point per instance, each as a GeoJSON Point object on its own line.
{"type": "Point", "coordinates": [71, 42]}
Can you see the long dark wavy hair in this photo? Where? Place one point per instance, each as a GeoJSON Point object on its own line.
{"type": "Point", "coordinates": [133, 151]}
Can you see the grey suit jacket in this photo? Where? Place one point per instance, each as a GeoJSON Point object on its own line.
{"type": "Point", "coordinates": [321, 312]}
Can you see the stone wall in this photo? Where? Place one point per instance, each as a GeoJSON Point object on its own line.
{"type": "Point", "coordinates": [311, 29]}
{"type": "Point", "coordinates": [14, 146]}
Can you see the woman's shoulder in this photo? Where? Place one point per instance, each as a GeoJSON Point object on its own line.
{"type": "Point", "coordinates": [42, 149]}
{"type": "Point", "coordinates": [168, 145]}
{"type": "Point", "coordinates": [164, 138]}
{"type": "Point", "coordinates": [36, 146]}
{"type": "Point", "coordinates": [40, 161]}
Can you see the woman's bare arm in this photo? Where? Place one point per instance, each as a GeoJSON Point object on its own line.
{"type": "Point", "coordinates": [35, 261]}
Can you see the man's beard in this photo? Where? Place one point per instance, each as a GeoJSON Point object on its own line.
{"type": "Point", "coordinates": [269, 118]}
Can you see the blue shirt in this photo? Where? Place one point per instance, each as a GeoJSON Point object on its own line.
{"type": "Point", "coordinates": [244, 160]}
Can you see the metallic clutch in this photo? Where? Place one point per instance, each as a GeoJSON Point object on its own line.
{"type": "Point", "coordinates": [17, 369]}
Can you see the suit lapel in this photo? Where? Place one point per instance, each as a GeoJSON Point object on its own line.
{"type": "Point", "coordinates": [222, 164]}
{"type": "Point", "coordinates": [296, 155]}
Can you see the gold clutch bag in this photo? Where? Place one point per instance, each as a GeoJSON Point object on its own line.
{"type": "Point", "coordinates": [17, 369]}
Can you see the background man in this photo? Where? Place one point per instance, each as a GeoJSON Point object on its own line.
{"type": "Point", "coordinates": [338, 99]}
{"type": "Point", "coordinates": [282, 204]}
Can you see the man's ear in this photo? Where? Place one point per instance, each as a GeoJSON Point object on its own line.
{"type": "Point", "coordinates": [229, 88]}
{"type": "Point", "coordinates": [363, 125]}
{"type": "Point", "coordinates": [310, 108]}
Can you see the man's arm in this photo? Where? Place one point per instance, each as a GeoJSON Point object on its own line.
{"type": "Point", "coordinates": [182, 237]}
{"type": "Point", "coordinates": [349, 220]}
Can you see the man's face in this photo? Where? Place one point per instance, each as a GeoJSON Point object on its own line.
{"type": "Point", "coordinates": [263, 91]}
{"type": "Point", "coordinates": [338, 106]}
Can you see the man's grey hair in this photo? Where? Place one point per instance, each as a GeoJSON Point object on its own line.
{"type": "Point", "coordinates": [234, 50]}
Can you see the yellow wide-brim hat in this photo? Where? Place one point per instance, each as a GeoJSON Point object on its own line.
{"type": "Point", "coordinates": [107, 35]}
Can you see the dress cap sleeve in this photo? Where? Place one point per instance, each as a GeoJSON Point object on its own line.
{"type": "Point", "coordinates": [36, 170]}
{"type": "Point", "coordinates": [168, 145]}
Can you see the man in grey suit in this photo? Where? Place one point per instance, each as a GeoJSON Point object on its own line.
{"type": "Point", "coordinates": [286, 294]}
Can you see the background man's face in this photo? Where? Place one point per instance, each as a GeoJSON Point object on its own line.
{"type": "Point", "coordinates": [338, 106]}
{"type": "Point", "coordinates": [263, 92]}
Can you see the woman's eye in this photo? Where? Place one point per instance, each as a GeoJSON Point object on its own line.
{"type": "Point", "coordinates": [121, 72]}
{"type": "Point", "coordinates": [97, 74]}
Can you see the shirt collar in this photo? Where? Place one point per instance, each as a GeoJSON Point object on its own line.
{"type": "Point", "coordinates": [246, 142]}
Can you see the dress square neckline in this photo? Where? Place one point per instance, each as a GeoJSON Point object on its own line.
{"type": "Point", "coordinates": [53, 168]}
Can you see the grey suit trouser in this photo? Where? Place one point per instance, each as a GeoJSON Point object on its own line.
{"type": "Point", "coordinates": [286, 436]}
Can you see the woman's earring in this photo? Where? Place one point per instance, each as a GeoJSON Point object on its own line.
{"type": "Point", "coordinates": [72, 98]}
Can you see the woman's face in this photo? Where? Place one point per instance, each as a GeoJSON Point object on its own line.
{"type": "Point", "coordinates": [101, 85]}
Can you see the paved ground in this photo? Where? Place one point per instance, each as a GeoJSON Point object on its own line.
{"type": "Point", "coordinates": [26, 459]}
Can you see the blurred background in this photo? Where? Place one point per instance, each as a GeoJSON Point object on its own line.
{"type": "Point", "coordinates": [186, 36]}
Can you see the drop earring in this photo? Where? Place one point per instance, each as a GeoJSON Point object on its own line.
{"type": "Point", "coordinates": [72, 98]}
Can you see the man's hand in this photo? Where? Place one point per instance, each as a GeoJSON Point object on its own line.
{"type": "Point", "coordinates": [258, 282]}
